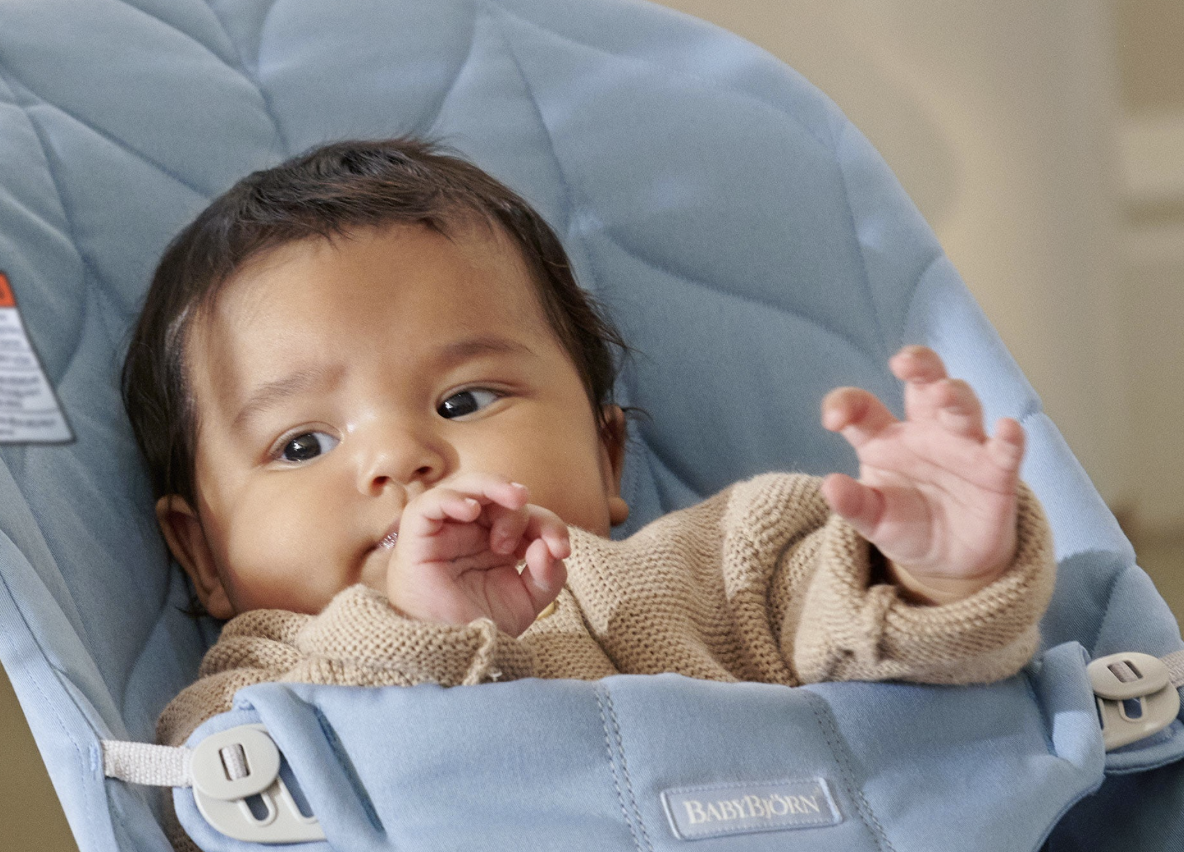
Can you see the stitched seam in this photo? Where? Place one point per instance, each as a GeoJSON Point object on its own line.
{"type": "Point", "coordinates": [846, 128]}
{"type": "Point", "coordinates": [712, 83]}
{"type": "Point", "coordinates": [748, 298]}
{"type": "Point", "coordinates": [625, 770]}
{"type": "Point", "coordinates": [912, 302]}
{"type": "Point", "coordinates": [438, 111]}
{"type": "Point", "coordinates": [568, 194]}
{"type": "Point", "coordinates": [82, 259]}
{"type": "Point", "coordinates": [253, 78]}
{"type": "Point", "coordinates": [156, 624]}
{"type": "Point", "coordinates": [71, 230]}
{"type": "Point", "coordinates": [1033, 408]}
{"type": "Point", "coordinates": [193, 38]}
{"type": "Point", "coordinates": [1045, 721]}
{"type": "Point", "coordinates": [838, 749]}
{"type": "Point", "coordinates": [347, 767]}
{"type": "Point", "coordinates": [125, 146]}
{"type": "Point", "coordinates": [601, 695]}
{"type": "Point", "coordinates": [867, 281]}
{"type": "Point", "coordinates": [103, 134]}
{"type": "Point", "coordinates": [93, 751]}
{"type": "Point", "coordinates": [1106, 613]}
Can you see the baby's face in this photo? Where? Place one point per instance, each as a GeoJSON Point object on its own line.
{"type": "Point", "coordinates": [334, 381]}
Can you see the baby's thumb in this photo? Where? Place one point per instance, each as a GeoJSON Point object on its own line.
{"type": "Point", "coordinates": [857, 504]}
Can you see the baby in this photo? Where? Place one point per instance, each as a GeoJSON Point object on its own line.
{"type": "Point", "coordinates": [377, 411]}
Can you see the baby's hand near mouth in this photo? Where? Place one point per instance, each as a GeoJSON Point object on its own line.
{"type": "Point", "coordinates": [458, 549]}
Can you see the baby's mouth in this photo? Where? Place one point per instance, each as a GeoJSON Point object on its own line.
{"type": "Point", "coordinates": [388, 541]}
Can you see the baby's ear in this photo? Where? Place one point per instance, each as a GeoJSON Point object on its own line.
{"type": "Point", "coordinates": [613, 437]}
{"type": "Point", "coordinates": [186, 538]}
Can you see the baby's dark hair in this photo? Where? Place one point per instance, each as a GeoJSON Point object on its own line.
{"type": "Point", "coordinates": [327, 193]}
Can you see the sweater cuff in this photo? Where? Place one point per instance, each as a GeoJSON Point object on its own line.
{"type": "Point", "coordinates": [853, 630]}
{"type": "Point", "coordinates": [361, 634]}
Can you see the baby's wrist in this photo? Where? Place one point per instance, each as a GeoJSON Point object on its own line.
{"type": "Point", "coordinates": [930, 590]}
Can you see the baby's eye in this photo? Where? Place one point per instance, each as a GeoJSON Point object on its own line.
{"type": "Point", "coordinates": [466, 402]}
{"type": "Point", "coordinates": [308, 446]}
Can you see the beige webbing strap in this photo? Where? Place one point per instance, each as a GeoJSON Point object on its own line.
{"type": "Point", "coordinates": [1175, 664]}
{"type": "Point", "coordinates": [144, 763]}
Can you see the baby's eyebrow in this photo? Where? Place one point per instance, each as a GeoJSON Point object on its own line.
{"type": "Point", "coordinates": [471, 347]}
{"type": "Point", "coordinates": [269, 394]}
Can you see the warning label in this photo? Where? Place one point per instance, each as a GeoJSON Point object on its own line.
{"type": "Point", "coordinates": [29, 409]}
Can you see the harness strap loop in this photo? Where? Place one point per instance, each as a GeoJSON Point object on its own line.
{"type": "Point", "coordinates": [144, 763]}
{"type": "Point", "coordinates": [1175, 664]}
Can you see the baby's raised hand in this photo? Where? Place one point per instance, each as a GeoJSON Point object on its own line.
{"type": "Point", "coordinates": [458, 548]}
{"type": "Point", "coordinates": [936, 495]}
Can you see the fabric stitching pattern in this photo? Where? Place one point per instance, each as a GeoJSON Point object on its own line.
{"type": "Point", "coordinates": [347, 767]}
{"type": "Point", "coordinates": [750, 299]}
{"type": "Point", "coordinates": [88, 272]}
{"type": "Point", "coordinates": [1032, 408]}
{"type": "Point", "coordinates": [601, 695]}
{"type": "Point", "coordinates": [1045, 720]}
{"type": "Point", "coordinates": [117, 142]}
{"type": "Point", "coordinates": [608, 699]}
{"type": "Point", "coordinates": [67, 218]}
{"type": "Point", "coordinates": [438, 111]}
{"type": "Point", "coordinates": [186, 35]}
{"type": "Point", "coordinates": [253, 78]}
{"type": "Point", "coordinates": [887, 347]}
{"type": "Point", "coordinates": [706, 82]}
{"type": "Point", "coordinates": [839, 750]}
{"type": "Point", "coordinates": [82, 754]}
{"type": "Point", "coordinates": [568, 193]}
{"type": "Point", "coordinates": [1105, 617]}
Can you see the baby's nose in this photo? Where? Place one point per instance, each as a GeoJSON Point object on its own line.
{"type": "Point", "coordinates": [407, 461]}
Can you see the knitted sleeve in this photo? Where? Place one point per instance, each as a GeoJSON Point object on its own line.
{"type": "Point", "coordinates": [847, 627]}
{"type": "Point", "coordinates": [358, 640]}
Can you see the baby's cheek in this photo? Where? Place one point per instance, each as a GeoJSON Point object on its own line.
{"type": "Point", "coordinates": [281, 560]}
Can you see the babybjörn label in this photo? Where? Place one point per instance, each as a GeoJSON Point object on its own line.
{"type": "Point", "coordinates": [29, 410]}
{"type": "Point", "coordinates": [717, 810]}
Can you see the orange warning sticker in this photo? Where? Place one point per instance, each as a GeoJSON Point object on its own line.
{"type": "Point", "coordinates": [29, 409]}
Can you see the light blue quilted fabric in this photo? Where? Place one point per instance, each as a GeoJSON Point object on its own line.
{"type": "Point", "coordinates": [753, 247]}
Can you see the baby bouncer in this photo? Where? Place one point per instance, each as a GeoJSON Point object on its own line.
{"type": "Point", "coordinates": [755, 251]}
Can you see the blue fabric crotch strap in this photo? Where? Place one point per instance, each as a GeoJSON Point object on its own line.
{"type": "Point", "coordinates": [631, 761]}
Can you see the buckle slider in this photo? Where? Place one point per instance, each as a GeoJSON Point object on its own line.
{"type": "Point", "coordinates": [1135, 697]}
{"type": "Point", "coordinates": [234, 765]}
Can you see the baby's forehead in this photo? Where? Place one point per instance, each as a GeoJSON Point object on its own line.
{"type": "Point", "coordinates": [481, 241]}
{"type": "Point", "coordinates": [475, 275]}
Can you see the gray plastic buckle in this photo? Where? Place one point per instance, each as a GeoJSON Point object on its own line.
{"type": "Point", "coordinates": [233, 765]}
{"type": "Point", "coordinates": [1135, 697]}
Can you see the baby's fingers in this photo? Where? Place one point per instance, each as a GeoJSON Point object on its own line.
{"type": "Point", "coordinates": [427, 514]}
{"type": "Point", "coordinates": [856, 414]}
{"type": "Point", "coordinates": [860, 506]}
{"type": "Point", "coordinates": [930, 394]}
{"type": "Point", "coordinates": [956, 407]}
{"type": "Point", "coordinates": [544, 574]}
{"type": "Point", "coordinates": [917, 364]}
{"type": "Point", "coordinates": [547, 527]}
{"type": "Point", "coordinates": [506, 528]}
{"type": "Point", "coordinates": [1006, 447]}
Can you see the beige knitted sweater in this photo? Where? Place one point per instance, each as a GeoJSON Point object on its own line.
{"type": "Point", "coordinates": [758, 583]}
